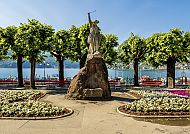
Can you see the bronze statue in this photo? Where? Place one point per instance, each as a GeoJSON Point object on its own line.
{"type": "Point", "coordinates": [94, 37]}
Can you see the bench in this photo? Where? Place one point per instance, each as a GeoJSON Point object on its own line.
{"type": "Point", "coordinates": [114, 83]}
{"type": "Point", "coordinates": [60, 83]}
{"type": "Point", "coordinates": [155, 83]}
{"type": "Point", "coordinates": [8, 82]}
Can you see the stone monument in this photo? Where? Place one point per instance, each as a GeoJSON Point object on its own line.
{"type": "Point", "coordinates": [91, 82]}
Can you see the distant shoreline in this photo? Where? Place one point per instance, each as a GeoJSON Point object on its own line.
{"type": "Point", "coordinates": [71, 72]}
{"type": "Point", "coordinates": [39, 67]}
{"type": "Point", "coordinates": [149, 69]}
{"type": "Point", "coordinates": [162, 69]}
{"type": "Point", "coordinates": [79, 68]}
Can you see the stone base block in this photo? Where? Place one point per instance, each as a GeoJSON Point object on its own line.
{"type": "Point", "coordinates": [96, 92]}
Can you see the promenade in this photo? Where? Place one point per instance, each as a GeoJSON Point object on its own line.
{"type": "Point", "coordinates": [91, 117]}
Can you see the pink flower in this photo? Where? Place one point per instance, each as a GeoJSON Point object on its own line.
{"type": "Point", "coordinates": [180, 92]}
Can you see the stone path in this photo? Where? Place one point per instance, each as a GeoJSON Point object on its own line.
{"type": "Point", "coordinates": [90, 117]}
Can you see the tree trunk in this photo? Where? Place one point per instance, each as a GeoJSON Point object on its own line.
{"type": "Point", "coordinates": [19, 69]}
{"type": "Point", "coordinates": [61, 71]}
{"type": "Point", "coordinates": [135, 66]}
{"type": "Point", "coordinates": [83, 60]}
{"type": "Point", "coordinates": [32, 73]}
{"type": "Point", "coordinates": [61, 68]}
{"type": "Point", "coordinates": [171, 71]}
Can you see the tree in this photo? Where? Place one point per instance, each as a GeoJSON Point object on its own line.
{"type": "Point", "coordinates": [186, 55]}
{"type": "Point", "coordinates": [3, 45]}
{"type": "Point", "coordinates": [133, 50]}
{"type": "Point", "coordinates": [34, 36]}
{"type": "Point", "coordinates": [153, 50]}
{"type": "Point", "coordinates": [18, 51]}
{"type": "Point", "coordinates": [79, 45]}
{"type": "Point", "coordinates": [59, 49]}
{"type": "Point", "coordinates": [168, 48]}
{"type": "Point", "coordinates": [108, 48]}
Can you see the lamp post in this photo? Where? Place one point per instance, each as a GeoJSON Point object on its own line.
{"type": "Point", "coordinates": [183, 75]}
{"type": "Point", "coordinates": [115, 71]}
{"type": "Point", "coordinates": [44, 68]}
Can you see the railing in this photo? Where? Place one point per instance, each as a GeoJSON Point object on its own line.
{"type": "Point", "coordinates": [155, 83]}
{"type": "Point", "coordinates": [37, 82]}
{"type": "Point", "coordinates": [60, 83]}
{"type": "Point", "coordinates": [183, 81]}
{"type": "Point", "coordinates": [129, 81]}
{"type": "Point", "coordinates": [113, 83]}
{"type": "Point", "coordinates": [8, 82]}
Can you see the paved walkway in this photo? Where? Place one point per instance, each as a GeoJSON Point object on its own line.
{"type": "Point", "coordinates": [91, 117]}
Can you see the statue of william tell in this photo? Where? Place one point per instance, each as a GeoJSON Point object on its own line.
{"type": "Point", "coordinates": [94, 37]}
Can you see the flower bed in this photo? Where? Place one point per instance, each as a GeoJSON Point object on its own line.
{"type": "Point", "coordinates": [148, 93]}
{"type": "Point", "coordinates": [29, 109]}
{"type": "Point", "coordinates": [13, 95]}
{"type": "Point", "coordinates": [25, 104]}
{"type": "Point", "coordinates": [162, 106]}
{"type": "Point", "coordinates": [183, 93]}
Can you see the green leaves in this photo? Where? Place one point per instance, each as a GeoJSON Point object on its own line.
{"type": "Point", "coordinates": [33, 36]}
{"type": "Point", "coordinates": [108, 49]}
{"type": "Point", "coordinates": [164, 45]}
{"type": "Point", "coordinates": [11, 39]}
{"type": "Point", "coordinates": [134, 48]}
{"type": "Point", "coordinates": [4, 46]}
{"type": "Point", "coordinates": [59, 44]}
{"type": "Point", "coordinates": [74, 47]}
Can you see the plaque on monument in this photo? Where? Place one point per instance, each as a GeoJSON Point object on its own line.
{"type": "Point", "coordinates": [170, 82]}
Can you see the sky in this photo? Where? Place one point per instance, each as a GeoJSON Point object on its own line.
{"type": "Point", "coordinates": [118, 17]}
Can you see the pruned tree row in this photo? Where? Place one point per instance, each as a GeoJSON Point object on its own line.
{"type": "Point", "coordinates": [157, 50]}
{"type": "Point", "coordinates": [32, 39]}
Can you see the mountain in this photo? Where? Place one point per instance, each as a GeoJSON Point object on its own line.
{"type": "Point", "coordinates": [49, 63]}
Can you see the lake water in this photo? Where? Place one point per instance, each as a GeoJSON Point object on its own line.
{"type": "Point", "coordinates": [7, 72]}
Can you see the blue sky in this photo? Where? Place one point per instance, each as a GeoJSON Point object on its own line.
{"type": "Point", "coordinates": [119, 17]}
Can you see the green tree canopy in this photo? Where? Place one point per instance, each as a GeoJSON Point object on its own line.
{"type": "Point", "coordinates": [165, 45]}
{"type": "Point", "coordinates": [34, 36]}
{"type": "Point", "coordinates": [108, 48]}
{"type": "Point", "coordinates": [168, 48]}
{"type": "Point", "coordinates": [186, 48]}
{"type": "Point", "coordinates": [133, 50]}
{"type": "Point", "coordinates": [59, 49]}
{"type": "Point", "coordinates": [78, 43]}
{"type": "Point", "coordinates": [4, 46]}
{"type": "Point", "coordinates": [17, 49]}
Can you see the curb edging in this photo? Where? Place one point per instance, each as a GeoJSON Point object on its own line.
{"type": "Point", "coordinates": [152, 116]}
{"type": "Point", "coordinates": [38, 118]}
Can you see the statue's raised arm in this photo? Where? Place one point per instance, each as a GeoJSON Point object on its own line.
{"type": "Point", "coordinates": [89, 19]}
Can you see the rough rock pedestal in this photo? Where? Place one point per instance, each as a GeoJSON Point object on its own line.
{"type": "Point", "coordinates": [91, 81]}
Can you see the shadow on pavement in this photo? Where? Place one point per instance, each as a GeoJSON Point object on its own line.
{"type": "Point", "coordinates": [167, 121]}
{"type": "Point", "coordinates": [119, 90]}
{"type": "Point", "coordinates": [57, 91]}
{"type": "Point", "coordinates": [119, 98]}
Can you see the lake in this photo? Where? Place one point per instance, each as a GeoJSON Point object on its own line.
{"type": "Point", "coordinates": [7, 72]}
